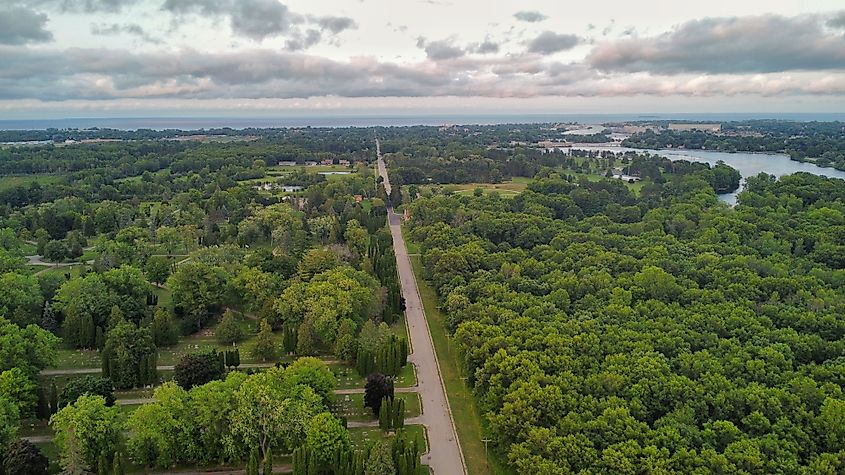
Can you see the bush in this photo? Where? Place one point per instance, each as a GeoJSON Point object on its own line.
{"type": "Point", "coordinates": [198, 368]}
{"type": "Point", "coordinates": [93, 385]}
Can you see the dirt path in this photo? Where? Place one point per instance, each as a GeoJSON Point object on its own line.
{"type": "Point", "coordinates": [444, 456]}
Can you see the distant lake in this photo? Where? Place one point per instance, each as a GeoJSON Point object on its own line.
{"type": "Point", "coordinates": [748, 164]}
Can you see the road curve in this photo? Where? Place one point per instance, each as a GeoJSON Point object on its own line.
{"type": "Point", "coordinates": [444, 456]}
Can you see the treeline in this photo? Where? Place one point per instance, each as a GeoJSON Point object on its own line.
{"type": "Point", "coordinates": [610, 332]}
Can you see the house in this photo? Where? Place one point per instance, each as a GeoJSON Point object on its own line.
{"type": "Point", "coordinates": [701, 127]}
{"type": "Point", "coordinates": [549, 144]}
{"type": "Point", "coordinates": [327, 161]}
{"type": "Point", "coordinates": [310, 164]}
{"type": "Point", "coordinates": [343, 162]}
{"type": "Point", "coordinates": [359, 198]}
{"type": "Point", "coordinates": [628, 178]}
{"type": "Point", "coordinates": [287, 163]}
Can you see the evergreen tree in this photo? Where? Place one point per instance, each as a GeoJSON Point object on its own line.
{"type": "Point", "coordinates": [265, 345]}
{"type": "Point", "coordinates": [89, 332]}
{"type": "Point", "coordinates": [99, 338]}
{"type": "Point", "coordinates": [228, 330]}
{"type": "Point", "coordinates": [102, 465]}
{"type": "Point", "coordinates": [399, 414]}
{"type": "Point", "coordinates": [252, 466]}
{"type": "Point", "coordinates": [289, 339]}
{"type": "Point", "coordinates": [117, 466]}
{"type": "Point", "coordinates": [48, 318]}
{"type": "Point", "coordinates": [385, 413]}
{"type": "Point", "coordinates": [54, 398]}
{"type": "Point", "coordinates": [268, 463]}
{"type": "Point", "coordinates": [163, 328]}
{"type": "Point", "coordinates": [115, 317]}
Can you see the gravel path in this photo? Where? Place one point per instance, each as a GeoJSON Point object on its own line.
{"type": "Point", "coordinates": [444, 456]}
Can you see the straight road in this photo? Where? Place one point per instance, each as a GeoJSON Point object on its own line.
{"type": "Point", "coordinates": [341, 392]}
{"type": "Point", "coordinates": [444, 455]}
{"type": "Point", "coordinates": [58, 372]}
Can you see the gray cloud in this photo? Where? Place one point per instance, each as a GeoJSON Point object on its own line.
{"type": "Point", "coordinates": [258, 19]}
{"type": "Point", "coordinates": [133, 29]}
{"type": "Point", "coordinates": [838, 21]}
{"type": "Point", "coordinates": [529, 16]}
{"type": "Point", "coordinates": [549, 42]}
{"type": "Point", "coordinates": [301, 41]}
{"type": "Point", "coordinates": [20, 25]}
{"type": "Point", "coordinates": [486, 47]}
{"type": "Point", "coordinates": [336, 24]}
{"type": "Point", "coordinates": [754, 44]}
{"type": "Point", "coordinates": [262, 19]}
{"type": "Point", "coordinates": [103, 74]}
{"type": "Point", "coordinates": [83, 6]}
{"type": "Point", "coordinates": [441, 49]}
{"type": "Point", "coordinates": [254, 19]}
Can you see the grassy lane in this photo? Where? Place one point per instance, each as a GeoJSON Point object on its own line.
{"type": "Point", "coordinates": [464, 408]}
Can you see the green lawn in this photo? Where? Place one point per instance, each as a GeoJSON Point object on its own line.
{"type": "Point", "coordinates": [29, 249]}
{"type": "Point", "coordinates": [465, 412]}
{"type": "Point", "coordinates": [351, 406]}
{"type": "Point", "coordinates": [348, 377]}
{"type": "Point", "coordinates": [70, 359]}
{"type": "Point", "coordinates": [11, 181]}
{"type": "Point", "coordinates": [74, 270]}
{"type": "Point", "coordinates": [506, 189]}
{"type": "Point", "coordinates": [204, 340]}
{"type": "Point", "coordinates": [363, 436]}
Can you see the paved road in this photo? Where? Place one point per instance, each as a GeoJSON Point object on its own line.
{"type": "Point", "coordinates": [410, 421]}
{"type": "Point", "coordinates": [57, 372]}
{"type": "Point", "coordinates": [37, 260]}
{"type": "Point", "coordinates": [341, 392]}
{"type": "Point", "coordinates": [444, 456]}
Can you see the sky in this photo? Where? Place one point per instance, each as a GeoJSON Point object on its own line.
{"type": "Point", "coordinates": [143, 58]}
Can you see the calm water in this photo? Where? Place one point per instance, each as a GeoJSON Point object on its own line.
{"type": "Point", "coordinates": [748, 164]}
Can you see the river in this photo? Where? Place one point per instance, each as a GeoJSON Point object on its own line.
{"type": "Point", "coordinates": [748, 164]}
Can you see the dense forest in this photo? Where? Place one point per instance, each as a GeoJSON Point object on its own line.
{"type": "Point", "coordinates": [675, 336]}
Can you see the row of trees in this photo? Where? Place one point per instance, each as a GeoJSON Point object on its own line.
{"type": "Point", "coordinates": [399, 455]}
{"type": "Point", "coordinates": [219, 421]}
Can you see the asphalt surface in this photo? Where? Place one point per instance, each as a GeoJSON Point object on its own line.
{"type": "Point", "coordinates": [444, 456]}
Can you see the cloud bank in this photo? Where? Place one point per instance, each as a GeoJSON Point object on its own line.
{"type": "Point", "coordinates": [760, 56]}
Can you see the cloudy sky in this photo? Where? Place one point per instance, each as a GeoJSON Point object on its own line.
{"type": "Point", "coordinates": [74, 58]}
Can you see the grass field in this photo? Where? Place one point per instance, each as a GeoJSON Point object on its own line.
{"type": "Point", "coordinates": [73, 270]}
{"type": "Point", "coordinates": [465, 412]}
{"type": "Point", "coordinates": [506, 189]}
{"type": "Point", "coordinates": [348, 377]}
{"type": "Point", "coordinates": [363, 436]}
{"type": "Point", "coordinates": [11, 181]}
{"type": "Point", "coordinates": [351, 406]}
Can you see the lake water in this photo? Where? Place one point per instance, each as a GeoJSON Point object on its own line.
{"type": "Point", "coordinates": [748, 164]}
